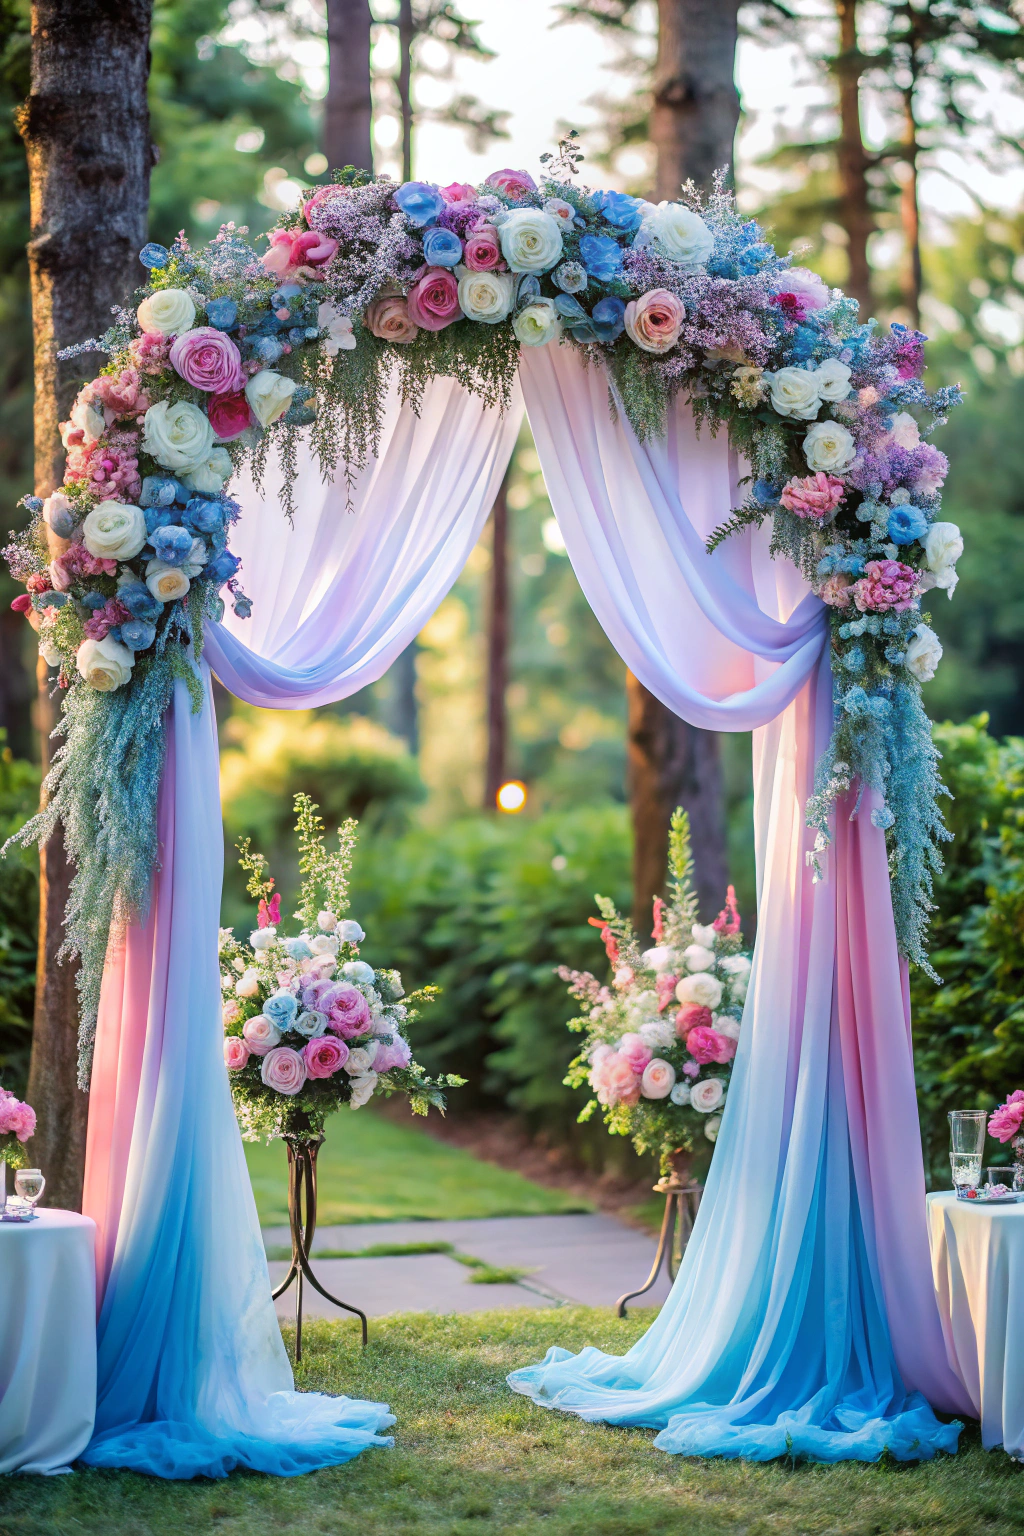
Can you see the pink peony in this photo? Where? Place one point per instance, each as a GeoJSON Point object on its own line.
{"type": "Point", "coordinates": [458, 192]}
{"type": "Point", "coordinates": [16, 1118]}
{"type": "Point", "coordinates": [813, 496]}
{"type": "Point", "coordinates": [434, 299]}
{"type": "Point", "coordinates": [208, 360]}
{"type": "Point", "coordinates": [706, 1045]}
{"type": "Point", "coordinates": [397, 1054]}
{"type": "Point", "coordinates": [297, 254]}
{"type": "Point", "coordinates": [799, 290]}
{"type": "Point", "coordinates": [636, 1051]}
{"type": "Point", "coordinates": [284, 1070]}
{"type": "Point", "coordinates": [511, 183]}
{"type": "Point", "coordinates": [75, 564]}
{"type": "Point", "coordinates": [886, 585]}
{"type": "Point", "coordinates": [692, 1016]}
{"type": "Point", "coordinates": [837, 591]}
{"type": "Point", "coordinates": [236, 1053]}
{"type": "Point", "coordinates": [261, 1034]}
{"type": "Point", "coordinates": [666, 989]}
{"type": "Point", "coordinates": [348, 1012]}
{"type": "Point", "coordinates": [482, 251]}
{"type": "Point", "coordinates": [655, 320]}
{"type": "Point", "coordinates": [324, 1056]}
{"type": "Point", "coordinates": [388, 318]}
{"type": "Point", "coordinates": [149, 352]}
{"type": "Point", "coordinates": [121, 393]}
{"type": "Point", "coordinates": [613, 1079]}
{"type": "Point", "coordinates": [104, 619]}
{"type": "Point", "coordinates": [110, 471]}
{"type": "Point", "coordinates": [1005, 1122]}
{"type": "Point", "coordinates": [229, 415]}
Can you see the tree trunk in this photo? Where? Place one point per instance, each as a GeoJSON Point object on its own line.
{"type": "Point", "coordinates": [910, 208]}
{"type": "Point", "coordinates": [670, 763]}
{"type": "Point", "coordinates": [696, 106]}
{"type": "Point", "coordinates": [856, 215]}
{"type": "Point", "coordinates": [403, 714]}
{"type": "Point", "coordinates": [406, 37]}
{"type": "Point", "coordinates": [497, 652]}
{"type": "Point", "coordinates": [86, 132]}
{"type": "Point", "coordinates": [348, 110]}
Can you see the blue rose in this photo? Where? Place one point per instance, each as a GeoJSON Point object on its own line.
{"type": "Point", "coordinates": [157, 491]}
{"type": "Point", "coordinates": [765, 493]}
{"type": "Point", "coordinates": [154, 256]}
{"type": "Point", "coordinates": [171, 543]}
{"type": "Point", "coordinates": [619, 209]}
{"type": "Point", "coordinates": [359, 972]}
{"type": "Point", "coordinates": [268, 349]}
{"type": "Point", "coordinates": [162, 517]}
{"type": "Point", "coordinates": [93, 600]}
{"type": "Point", "coordinates": [602, 257]}
{"type": "Point", "coordinates": [297, 949]}
{"type": "Point", "coordinates": [137, 635]}
{"type": "Point", "coordinates": [441, 248]}
{"type": "Point", "coordinates": [139, 600]}
{"type": "Point", "coordinates": [242, 606]}
{"type": "Point", "coordinates": [221, 568]}
{"type": "Point", "coordinates": [607, 320]}
{"type": "Point", "coordinates": [222, 314]}
{"type": "Point", "coordinates": [281, 1009]}
{"type": "Point", "coordinates": [420, 202]}
{"type": "Point", "coordinates": [203, 516]}
{"type": "Point", "coordinates": [907, 523]}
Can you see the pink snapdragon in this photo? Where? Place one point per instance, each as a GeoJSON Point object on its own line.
{"type": "Point", "coordinates": [706, 1045]}
{"type": "Point", "coordinates": [728, 920]}
{"type": "Point", "coordinates": [814, 496]}
{"type": "Point", "coordinates": [658, 930]}
{"type": "Point", "coordinates": [1006, 1122]}
{"type": "Point", "coordinates": [665, 986]}
{"type": "Point", "coordinates": [886, 586]}
{"type": "Point", "coordinates": [16, 1118]}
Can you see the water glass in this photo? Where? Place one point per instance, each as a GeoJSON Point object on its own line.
{"type": "Point", "coordinates": [29, 1184]}
{"type": "Point", "coordinates": [967, 1143]}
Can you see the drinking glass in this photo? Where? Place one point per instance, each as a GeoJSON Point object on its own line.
{"type": "Point", "coordinates": [999, 1176]}
{"type": "Point", "coordinates": [29, 1184]}
{"type": "Point", "coordinates": [967, 1143]}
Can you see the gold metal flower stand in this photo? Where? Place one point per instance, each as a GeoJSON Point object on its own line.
{"type": "Point", "coordinates": [302, 1154]}
{"type": "Point", "coordinates": [682, 1198]}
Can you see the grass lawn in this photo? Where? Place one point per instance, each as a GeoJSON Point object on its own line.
{"type": "Point", "coordinates": [473, 1459]}
{"type": "Point", "coordinates": [377, 1169]}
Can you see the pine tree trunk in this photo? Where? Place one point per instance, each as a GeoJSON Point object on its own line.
{"type": "Point", "coordinates": [497, 652]}
{"type": "Point", "coordinates": [670, 763]}
{"type": "Point", "coordinates": [348, 109]}
{"type": "Point", "coordinates": [86, 132]}
{"type": "Point", "coordinates": [855, 209]}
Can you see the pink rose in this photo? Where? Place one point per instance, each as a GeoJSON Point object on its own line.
{"type": "Point", "coordinates": [229, 415]}
{"type": "Point", "coordinates": [236, 1053]}
{"type": "Point", "coordinates": [434, 299]}
{"type": "Point", "coordinates": [16, 1118]}
{"type": "Point", "coordinates": [284, 1070]}
{"type": "Point", "coordinates": [295, 254]}
{"type": "Point", "coordinates": [886, 585]}
{"type": "Point", "coordinates": [261, 1034]}
{"type": "Point", "coordinates": [613, 1079]}
{"type": "Point", "coordinates": [348, 1012]}
{"type": "Point", "coordinates": [658, 1080]}
{"type": "Point", "coordinates": [397, 1054]}
{"type": "Point", "coordinates": [208, 360]}
{"type": "Point", "coordinates": [388, 318]}
{"type": "Point", "coordinates": [231, 1011]}
{"type": "Point", "coordinates": [636, 1051]}
{"type": "Point", "coordinates": [692, 1016]}
{"type": "Point", "coordinates": [511, 183]}
{"type": "Point", "coordinates": [654, 320]}
{"type": "Point", "coordinates": [482, 252]}
{"type": "Point", "coordinates": [813, 496]}
{"type": "Point", "coordinates": [837, 591]}
{"type": "Point", "coordinates": [1006, 1121]}
{"type": "Point", "coordinates": [458, 192]}
{"type": "Point", "coordinates": [706, 1045]}
{"type": "Point", "coordinates": [324, 1056]}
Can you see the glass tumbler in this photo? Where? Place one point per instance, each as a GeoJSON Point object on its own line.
{"type": "Point", "coordinates": [966, 1145]}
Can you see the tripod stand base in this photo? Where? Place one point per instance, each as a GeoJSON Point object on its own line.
{"type": "Point", "coordinates": [681, 1202]}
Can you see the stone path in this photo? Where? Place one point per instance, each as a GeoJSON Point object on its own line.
{"type": "Point", "coordinates": [587, 1259]}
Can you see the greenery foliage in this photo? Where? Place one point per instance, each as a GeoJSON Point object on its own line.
{"type": "Point", "coordinates": [19, 906]}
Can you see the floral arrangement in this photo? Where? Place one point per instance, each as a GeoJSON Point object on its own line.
{"type": "Point", "coordinates": [308, 1026]}
{"type": "Point", "coordinates": [1007, 1124]}
{"type": "Point", "coordinates": [660, 1041]}
{"type": "Point", "coordinates": [17, 1124]}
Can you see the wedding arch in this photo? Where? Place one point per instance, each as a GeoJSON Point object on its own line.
{"type": "Point", "coordinates": [739, 472]}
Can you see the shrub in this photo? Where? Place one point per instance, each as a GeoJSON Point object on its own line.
{"type": "Point", "coordinates": [19, 912]}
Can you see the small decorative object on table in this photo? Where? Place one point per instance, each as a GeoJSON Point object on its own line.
{"type": "Point", "coordinates": [309, 1027]}
{"type": "Point", "coordinates": [659, 1042]}
{"type": "Point", "coordinates": [1007, 1124]}
{"type": "Point", "coordinates": [17, 1124]}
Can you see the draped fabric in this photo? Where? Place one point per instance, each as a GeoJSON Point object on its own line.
{"type": "Point", "coordinates": [787, 1327]}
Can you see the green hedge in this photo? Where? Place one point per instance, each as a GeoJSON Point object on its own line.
{"type": "Point", "coordinates": [19, 909]}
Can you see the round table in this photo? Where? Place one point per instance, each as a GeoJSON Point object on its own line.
{"type": "Point", "coordinates": [978, 1267]}
{"type": "Point", "coordinates": [47, 1341]}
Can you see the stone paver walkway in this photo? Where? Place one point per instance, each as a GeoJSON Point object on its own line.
{"type": "Point", "coordinates": [587, 1259]}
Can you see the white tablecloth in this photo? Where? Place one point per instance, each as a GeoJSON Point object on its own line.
{"type": "Point", "coordinates": [978, 1265]}
{"type": "Point", "coordinates": [47, 1341]}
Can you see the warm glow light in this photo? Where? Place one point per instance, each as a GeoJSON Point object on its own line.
{"type": "Point", "coordinates": [511, 797]}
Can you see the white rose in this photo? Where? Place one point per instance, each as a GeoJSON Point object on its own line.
{"type": "Point", "coordinates": [943, 547]}
{"type": "Point", "coordinates": [537, 324]}
{"type": "Point", "coordinates": [324, 944]}
{"type": "Point", "coordinates": [726, 1025]}
{"type": "Point", "coordinates": [361, 1059]}
{"type": "Point", "coordinates": [166, 582]}
{"type": "Point", "coordinates": [702, 989]}
{"type": "Point", "coordinates": [248, 984]}
{"type": "Point", "coordinates": [833, 380]}
{"type": "Point", "coordinates": [326, 921]}
{"type": "Point", "coordinates": [680, 1094]}
{"type": "Point", "coordinates": [486, 296]}
{"type": "Point", "coordinates": [269, 395]}
{"type": "Point", "coordinates": [657, 1034]}
{"type": "Point", "coordinates": [208, 478]}
{"type": "Point", "coordinates": [340, 335]}
{"type": "Point", "coordinates": [362, 1088]}
{"type": "Point", "coordinates": [736, 965]}
{"type": "Point", "coordinates": [349, 931]}
{"type": "Point", "coordinates": [676, 233]}
{"type": "Point", "coordinates": [658, 959]}
{"type": "Point", "coordinates": [168, 312]}
{"type": "Point", "coordinates": [923, 654]}
{"type": "Point", "coordinates": [704, 933]}
{"type": "Point", "coordinates": [105, 664]}
{"type": "Point", "coordinates": [707, 1095]}
{"type": "Point", "coordinates": [698, 958]}
{"type": "Point", "coordinates": [794, 392]}
{"type": "Point", "coordinates": [712, 1127]}
{"type": "Point", "coordinates": [178, 435]}
{"type": "Point", "coordinates": [830, 447]}
{"type": "Point", "coordinates": [114, 530]}
{"type": "Point", "coordinates": [50, 652]}
{"type": "Point", "coordinates": [658, 1080]}
{"type": "Point", "coordinates": [263, 938]}
{"type": "Point", "coordinates": [531, 240]}
{"type": "Point", "coordinates": [905, 431]}
{"type": "Point", "coordinates": [87, 418]}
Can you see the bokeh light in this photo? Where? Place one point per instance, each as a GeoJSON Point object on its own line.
{"type": "Point", "coordinates": [511, 797]}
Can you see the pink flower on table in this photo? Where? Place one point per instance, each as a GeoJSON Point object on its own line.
{"type": "Point", "coordinates": [261, 1034]}
{"type": "Point", "coordinates": [208, 360]}
{"type": "Point", "coordinates": [706, 1045]}
{"type": "Point", "coordinates": [813, 496]}
{"type": "Point", "coordinates": [16, 1118]}
{"type": "Point", "coordinates": [434, 299]}
{"type": "Point", "coordinates": [636, 1051]}
{"type": "Point", "coordinates": [837, 591]}
{"type": "Point", "coordinates": [482, 252]}
{"type": "Point", "coordinates": [887, 585]}
{"type": "Point", "coordinates": [104, 619]}
{"type": "Point", "coordinates": [665, 986]}
{"type": "Point", "coordinates": [458, 192]}
{"type": "Point", "coordinates": [229, 415]}
{"type": "Point", "coordinates": [692, 1016]}
{"type": "Point", "coordinates": [388, 317]}
{"type": "Point", "coordinates": [397, 1054]}
{"type": "Point", "coordinates": [1005, 1122]}
{"type": "Point", "coordinates": [236, 1053]}
{"type": "Point", "coordinates": [284, 1070]}
{"type": "Point", "coordinates": [324, 1056]}
{"type": "Point", "coordinates": [655, 320]}
{"type": "Point", "coordinates": [512, 183]}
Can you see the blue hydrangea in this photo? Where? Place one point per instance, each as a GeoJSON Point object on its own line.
{"type": "Point", "coordinates": [139, 600]}
{"type": "Point", "coordinates": [442, 248]}
{"type": "Point", "coordinates": [137, 634]}
{"type": "Point", "coordinates": [602, 257]}
{"type": "Point", "coordinates": [222, 314]}
{"type": "Point", "coordinates": [297, 949]}
{"type": "Point", "coordinates": [907, 524]}
{"type": "Point", "coordinates": [171, 543]}
{"type": "Point", "coordinates": [854, 661]}
{"type": "Point", "coordinates": [203, 515]}
{"type": "Point", "coordinates": [162, 517]}
{"type": "Point", "coordinates": [620, 210]}
{"type": "Point", "coordinates": [420, 202]}
{"type": "Point", "coordinates": [268, 349]}
{"type": "Point", "coordinates": [221, 568]}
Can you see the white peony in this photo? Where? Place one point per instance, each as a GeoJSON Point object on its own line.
{"type": "Point", "coordinates": [168, 312]}
{"type": "Point", "coordinates": [707, 1095]}
{"type": "Point", "coordinates": [166, 582]}
{"type": "Point", "coordinates": [657, 1034]}
{"type": "Point", "coordinates": [676, 233]}
{"type": "Point", "coordinates": [698, 958]}
{"type": "Point", "coordinates": [736, 965]}
{"type": "Point", "coordinates": [324, 944]}
{"type": "Point", "coordinates": [794, 392]}
{"type": "Point", "coordinates": [702, 989]}
{"type": "Point", "coordinates": [833, 379]}
{"type": "Point", "coordinates": [362, 1088]}
{"type": "Point", "coordinates": [658, 1080]}
{"type": "Point", "coordinates": [943, 547]}
{"type": "Point", "coordinates": [704, 933]}
{"type": "Point", "coordinates": [361, 1059]}
{"type": "Point", "coordinates": [326, 921]}
{"type": "Point", "coordinates": [828, 446]}
{"type": "Point", "coordinates": [340, 334]}
{"type": "Point", "coordinates": [177, 434]}
{"type": "Point", "coordinates": [263, 938]}
{"type": "Point", "coordinates": [923, 654]}
{"type": "Point", "coordinates": [114, 530]}
{"type": "Point", "coordinates": [712, 1127]}
{"type": "Point", "coordinates": [486, 296]}
{"type": "Point", "coordinates": [531, 240]}
{"type": "Point", "coordinates": [905, 431]}
{"type": "Point", "coordinates": [726, 1025]}
{"type": "Point", "coordinates": [208, 478]}
{"type": "Point", "coordinates": [269, 395]}
{"type": "Point", "coordinates": [248, 984]}
{"type": "Point", "coordinates": [537, 324]}
{"type": "Point", "coordinates": [105, 664]}
{"type": "Point", "coordinates": [658, 959]}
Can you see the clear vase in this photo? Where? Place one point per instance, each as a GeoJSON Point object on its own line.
{"type": "Point", "coordinates": [1018, 1164]}
{"type": "Point", "coordinates": [3, 1184]}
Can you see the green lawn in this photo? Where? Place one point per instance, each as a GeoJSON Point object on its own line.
{"type": "Point", "coordinates": [375, 1169]}
{"type": "Point", "coordinates": [473, 1459]}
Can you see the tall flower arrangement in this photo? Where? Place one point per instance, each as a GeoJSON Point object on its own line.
{"type": "Point", "coordinates": [659, 1042]}
{"type": "Point", "coordinates": [17, 1124]}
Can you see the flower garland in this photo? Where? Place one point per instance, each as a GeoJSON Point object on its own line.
{"type": "Point", "coordinates": [659, 1043]}
{"type": "Point", "coordinates": [227, 353]}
